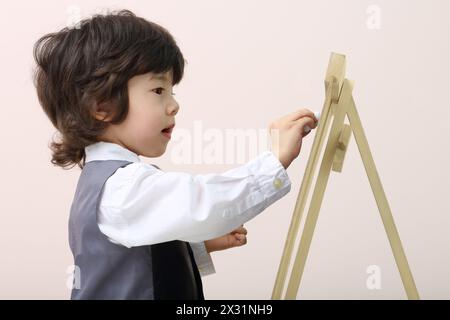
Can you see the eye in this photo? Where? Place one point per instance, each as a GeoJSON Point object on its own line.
{"type": "Point", "coordinates": [158, 90]}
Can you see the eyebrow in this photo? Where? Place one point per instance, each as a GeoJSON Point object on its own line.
{"type": "Point", "coordinates": [159, 77]}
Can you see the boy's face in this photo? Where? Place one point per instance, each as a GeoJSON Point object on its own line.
{"type": "Point", "coordinates": [152, 108]}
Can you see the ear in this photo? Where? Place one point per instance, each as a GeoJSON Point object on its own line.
{"type": "Point", "coordinates": [102, 112]}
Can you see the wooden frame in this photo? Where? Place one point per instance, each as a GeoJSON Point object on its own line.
{"type": "Point", "coordinates": [338, 104]}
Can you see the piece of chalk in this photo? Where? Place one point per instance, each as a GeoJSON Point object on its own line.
{"type": "Point", "coordinates": [306, 128]}
{"type": "Point", "coordinates": [317, 115]}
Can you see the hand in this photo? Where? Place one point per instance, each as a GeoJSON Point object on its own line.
{"type": "Point", "coordinates": [287, 133]}
{"type": "Point", "coordinates": [235, 238]}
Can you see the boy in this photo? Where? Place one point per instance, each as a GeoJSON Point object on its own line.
{"type": "Point", "coordinates": [135, 231]}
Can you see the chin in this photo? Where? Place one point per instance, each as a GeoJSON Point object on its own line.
{"type": "Point", "coordinates": [159, 154]}
{"type": "Point", "coordinates": [154, 153]}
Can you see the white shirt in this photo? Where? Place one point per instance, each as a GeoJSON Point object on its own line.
{"type": "Point", "coordinates": [143, 205]}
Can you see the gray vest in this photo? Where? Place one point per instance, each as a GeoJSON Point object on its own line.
{"type": "Point", "coordinates": [110, 271]}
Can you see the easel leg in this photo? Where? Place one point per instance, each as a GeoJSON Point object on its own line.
{"type": "Point", "coordinates": [317, 197]}
{"type": "Point", "coordinates": [382, 203]}
{"type": "Point", "coordinates": [301, 199]}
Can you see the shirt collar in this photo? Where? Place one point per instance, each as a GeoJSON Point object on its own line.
{"type": "Point", "coordinates": [109, 151]}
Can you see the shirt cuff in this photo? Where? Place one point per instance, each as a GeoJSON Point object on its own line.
{"type": "Point", "coordinates": [202, 258]}
{"type": "Point", "coordinates": [273, 180]}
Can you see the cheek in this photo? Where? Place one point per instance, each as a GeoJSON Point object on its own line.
{"type": "Point", "coordinates": [144, 121]}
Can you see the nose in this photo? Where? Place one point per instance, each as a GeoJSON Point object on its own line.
{"type": "Point", "coordinates": [173, 108]}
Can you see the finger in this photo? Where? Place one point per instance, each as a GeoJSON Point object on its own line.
{"type": "Point", "coordinates": [302, 125]}
{"type": "Point", "coordinates": [240, 236]}
{"type": "Point", "coordinates": [296, 115]}
{"type": "Point", "coordinates": [239, 230]}
{"type": "Point", "coordinates": [241, 239]}
{"type": "Point", "coordinates": [306, 124]}
{"type": "Point", "coordinates": [236, 240]}
{"type": "Point", "coordinates": [305, 133]}
{"type": "Point", "coordinates": [242, 230]}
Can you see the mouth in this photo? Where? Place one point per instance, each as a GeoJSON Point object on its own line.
{"type": "Point", "coordinates": [167, 132]}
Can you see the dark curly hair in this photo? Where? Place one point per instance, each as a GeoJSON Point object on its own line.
{"type": "Point", "coordinates": [80, 68]}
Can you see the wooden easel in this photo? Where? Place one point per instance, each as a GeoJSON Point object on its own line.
{"type": "Point", "coordinates": [338, 103]}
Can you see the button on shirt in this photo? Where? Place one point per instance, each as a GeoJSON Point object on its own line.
{"type": "Point", "coordinates": [144, 205]}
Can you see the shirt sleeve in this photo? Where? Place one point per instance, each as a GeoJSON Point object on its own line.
{"type": "Point", "coordinates": [143, 205]}
{"type": "Point", "coordinates": [202, 258]}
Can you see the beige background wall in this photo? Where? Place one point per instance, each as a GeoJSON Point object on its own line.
{"type": "Point", "coordinates": [248, 63]}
